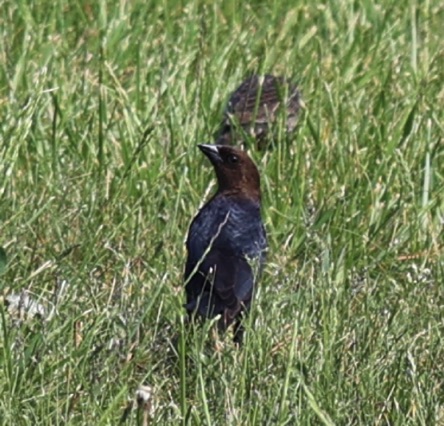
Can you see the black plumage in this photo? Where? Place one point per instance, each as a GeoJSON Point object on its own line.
{"type": "Point", "coordinates": [226, 241]}
{"type": "Point", "coordinates": [254, 107]}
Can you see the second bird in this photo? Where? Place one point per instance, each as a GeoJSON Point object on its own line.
{"type": "Point", "coordinates": [226, 241]}
{"type": "Point", "coordinates": [254, 107]}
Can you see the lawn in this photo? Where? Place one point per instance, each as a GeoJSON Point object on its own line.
{"type": "Point", "coordinates": [102, 105]}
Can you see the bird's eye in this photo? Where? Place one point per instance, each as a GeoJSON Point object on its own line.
{"type": "Point", "coordinates": [233, 159]}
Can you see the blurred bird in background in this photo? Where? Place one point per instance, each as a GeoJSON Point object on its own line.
{"type": "Point", "coordinates": [255, 106]}
{"type": "Point", "coordinates": [226, 242]}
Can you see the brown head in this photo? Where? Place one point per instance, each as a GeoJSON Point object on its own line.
{"type": "Point", "coordinates": [236, 173]}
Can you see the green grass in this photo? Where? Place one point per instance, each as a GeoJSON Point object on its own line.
{"type": "Point", "coordinates": [102, 105]}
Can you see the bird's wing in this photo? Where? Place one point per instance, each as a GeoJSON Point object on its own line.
{"type": "Point", "coordinates": [232, 277]}
{"type": "Point", "coordinates": [204, 231]}
{"type": "Point", "coordinates": [222, 282]}
{"type": "Point", "coordinates": [231, 281]}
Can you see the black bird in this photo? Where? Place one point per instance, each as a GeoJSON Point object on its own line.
{"type": "Point", "coordinates": [226, 242]}
{"type": "Point", "coordinates": [255, 106]}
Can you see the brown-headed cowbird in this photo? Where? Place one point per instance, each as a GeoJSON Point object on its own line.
{"type": "Point", "coordinates": [226, 241]}
{"type": "Point", "coordinates": [255, 106]}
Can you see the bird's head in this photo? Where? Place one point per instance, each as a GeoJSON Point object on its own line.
{"type": "Point", "coordinates": [236, 173]}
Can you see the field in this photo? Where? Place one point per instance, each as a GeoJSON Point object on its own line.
{"type": "Point", "coordinates": [102, 105]}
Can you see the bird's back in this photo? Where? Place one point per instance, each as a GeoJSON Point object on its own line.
{"type": "Point", "coordinates": [255, 104]}
{"type": "Point", "coordinates": [225, 239]}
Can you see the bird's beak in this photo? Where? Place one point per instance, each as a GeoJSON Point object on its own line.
{"type": "Point", "coordinates": [211, 151]}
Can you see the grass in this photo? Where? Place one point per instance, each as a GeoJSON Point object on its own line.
{"type": "Point", "coordinates": [102, 105]}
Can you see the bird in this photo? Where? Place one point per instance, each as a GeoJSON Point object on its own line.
{"type": "Point", "coordinates": [226, 242]}
{"type": "Point", "coordinates": [255, 106]}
